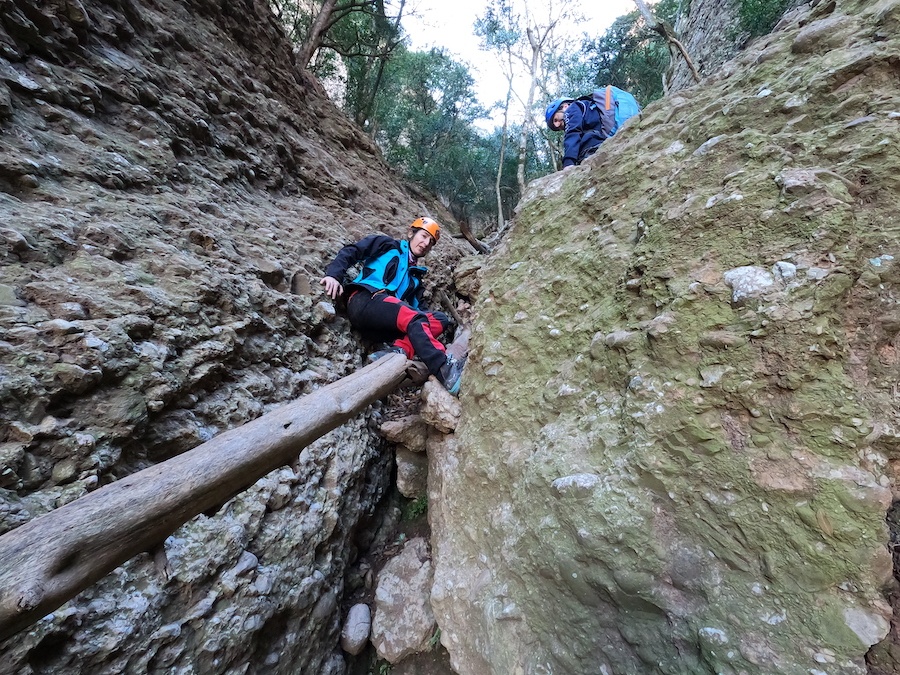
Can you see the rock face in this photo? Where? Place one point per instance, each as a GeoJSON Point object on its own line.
{"type": "Point", "coordinates": [679, 416]}
{"type": "Point", "coordinates": [171, 187]}
{"type": "Point", "coordinates": [711, 32]}
{"type": "Point", "coordinates": [677, 437]}
{"type": "Point", "coordinates": [404, 622]}
{"type": "Point", "coordinates": [412, 473]}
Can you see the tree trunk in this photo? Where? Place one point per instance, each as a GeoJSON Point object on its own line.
{"type": "Point", "coordinates": [526, 123]}
{"type": "Point", "coordinates": [382, 62]}
{"type": "Point", "coordinates": [50, 559]}
{"type": "Point", "coordinates": [500, 218]}
{"type": "Point", "coordinates": [316, 33]}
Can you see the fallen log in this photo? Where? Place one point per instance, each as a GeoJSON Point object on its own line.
{"type": "Point", "coordinates": [49, 560]}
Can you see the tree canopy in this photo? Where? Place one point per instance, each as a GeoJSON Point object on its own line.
{"type": "Point", "coordinates": [421, 109]}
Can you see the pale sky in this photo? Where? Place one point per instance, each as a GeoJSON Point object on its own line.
{"type": "Point", "coordinates": [449, 24]}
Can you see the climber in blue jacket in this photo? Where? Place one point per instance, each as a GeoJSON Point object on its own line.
{"type": "Point", "coordinates": [589, 120]}
{"type": "Point", "coordinates": [582, 125]}
{"type": "Point", "coordinates": [383, 300]}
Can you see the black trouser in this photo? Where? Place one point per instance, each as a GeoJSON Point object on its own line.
{"type": "Point", "coordinates": [382, 317]}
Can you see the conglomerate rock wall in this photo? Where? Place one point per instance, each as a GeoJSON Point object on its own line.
{"type": "Point", "coordinates": [680, 433]}
{"type": "Point", "coordinates": [171, 186]}
{"type": "Point", "coordinates": [711, 34]}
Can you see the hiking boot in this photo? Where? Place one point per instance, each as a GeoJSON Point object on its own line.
{"type": "Point", "coordinates": [451, 373]}
{"type": "Point", "coordinates": [374, 356]}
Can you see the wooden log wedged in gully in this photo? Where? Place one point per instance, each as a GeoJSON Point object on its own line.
{"type": "Point", "coordinates": [49, 560]}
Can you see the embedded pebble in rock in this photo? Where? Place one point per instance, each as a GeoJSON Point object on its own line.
{"type": "Point", "coordinates": [578, 485]}
{"type": "Point", "coordinates": [748, 282]}
{"type": "Point", "coordinates": [784, 270]}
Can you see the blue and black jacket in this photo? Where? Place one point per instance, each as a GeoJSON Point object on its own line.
{"type": "Point", "coordinates": [386, 266]}
{"type": "Point", "coordinates": [584, 132]}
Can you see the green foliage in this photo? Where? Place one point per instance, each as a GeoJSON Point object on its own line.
{"type": "Point", "coordinates": [435, 639]}
{"type": "Point", "coordinates": [499, 27]}
{"type": "Point", "coordinates": [366, 42]}
{"type": "Point", "coordinates": [357, 27]}
{"type": "Point", "coordinates": [630, 55]}
{"type": "Point", "coordinates": [361, 35]}
{"type": "Point", "coordinates": [421, 109]}
{"type": "Point", "coordinates": [509, 188]}
{"type": "Point", "coordinates": [758, 17]}
{"type": "Point", "coordinates": [294, 16]}
{"type": "Point", "coordinates": [415, 508]}
{"type": "Point", "coordinates": [423, 121]}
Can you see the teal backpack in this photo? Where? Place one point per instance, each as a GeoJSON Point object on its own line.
{"type": "Point", "coordinates": [614, 105]}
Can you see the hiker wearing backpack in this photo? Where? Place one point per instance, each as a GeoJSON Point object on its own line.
{"type": "Point", "coordinates": [589, 120]}
{"type": "Point", "coordinates": [383, 299]}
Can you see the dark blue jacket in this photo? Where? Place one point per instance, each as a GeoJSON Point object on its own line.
{"type": "Point", "coordinates": [583, 132]}
{"type": "Point", "coordinates": [386, 267]}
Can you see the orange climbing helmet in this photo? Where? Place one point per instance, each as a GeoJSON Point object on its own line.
{"type": "Point", "coordinates": [429, 225]}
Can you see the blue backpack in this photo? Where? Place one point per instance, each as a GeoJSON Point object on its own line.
{"type": "Point", "coordinates": [614, 105]}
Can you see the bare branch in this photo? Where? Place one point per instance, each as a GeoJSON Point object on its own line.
{"type": "Point", "coordinates": [664, 29]}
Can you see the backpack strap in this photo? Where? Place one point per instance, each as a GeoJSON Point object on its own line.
{"type": "Point", "coordinates": [609, 100]}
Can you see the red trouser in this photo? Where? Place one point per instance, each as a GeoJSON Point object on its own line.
{"type": "Point", "coordinates": [383, 317]}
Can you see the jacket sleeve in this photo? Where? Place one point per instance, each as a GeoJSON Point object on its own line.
{"type": "Point", "coordinates": [351, 254]}
{"type": "Point", "coordinates": [574, 131]}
